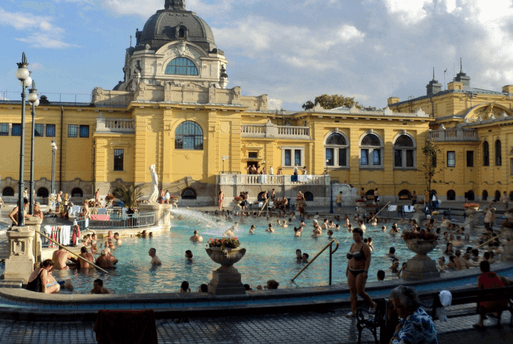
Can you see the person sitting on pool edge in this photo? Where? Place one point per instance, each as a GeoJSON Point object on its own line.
{"type": "Point", "coordinates": [98, 288]}
{"type": "Point", "coordinates": [155, 260]}
{"type": "Point", "coordinates": [41, 279]}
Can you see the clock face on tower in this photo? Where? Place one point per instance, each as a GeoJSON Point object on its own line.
{"type": "Point", "coordinates": [225, 127]}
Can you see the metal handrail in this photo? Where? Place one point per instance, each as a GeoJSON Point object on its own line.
{"type": "Point", "coordinates": [317, 255]}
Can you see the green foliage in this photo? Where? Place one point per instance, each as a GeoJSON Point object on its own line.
{"type": "Point", "coordinates": [129, 194]}
{"type": "Point", "coordinates": [430, 152]}
{"type": "Point", "coordinates": [331, 102]}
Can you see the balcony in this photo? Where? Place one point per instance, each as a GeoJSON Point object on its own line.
{"type": "Point", "coordinates": [454, 135]}
{"type": "Point", "coordinates": [265, 179]}
{"type": "Point", "coordinates": [270, 130]}
{"type": "Point", "coordinates": [114, 125]}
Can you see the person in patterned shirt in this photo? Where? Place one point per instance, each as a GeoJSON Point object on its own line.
{"type": "Point", "coordinates": [416, 326]}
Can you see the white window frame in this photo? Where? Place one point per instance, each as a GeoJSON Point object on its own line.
{"type": "Point", "coordinates": [447, 156]}
{"type": "Point", "coordinates": [404, 152]}
{"type": "Point", "coordinates": [371, 150]}
{"type": "Point", "coordinates": [336, 151]}
{"type": "Point", "coordinates": [292, 149]}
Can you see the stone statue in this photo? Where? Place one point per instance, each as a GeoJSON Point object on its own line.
{"type": "Point", "coordinates": [154, 185]}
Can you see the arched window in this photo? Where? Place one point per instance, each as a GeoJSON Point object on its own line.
{"type": "Point", "coordinates": [470, 195]}
{"type": "Point", "coordinates": [188, 193]}
{"type": "Point", "coordinates": [497, 196]}
{"type": "Point", "coordinates": [404, 194]}
{"type": "Point", "coordinates": [498, 153]}
{"type": "Point", "coordinates": [189, 135]}
{"type": "Point", "coordinates": [371, 151]}
{"type": "Point", "coordinates": [181, 33]}
{"type": "Point", "coordinates": [42, 192]}
{"type": "Point", "coordinates": [8, 191]}
{"type": "Point", "coordinates": [181, 66]}
{"type": "Point", "coordinates": [451, 195]}
{"type": "Point", "coordinates": [484, 197]}
{"type": "Point", "coordinates": [486, 154]}
{"type": "Point", "coordinates": [77, 192]}
{"type": "Point", "coordinates": [337, 149]}
{"type": "Point", "coordinates": [404, 152]}
{"type": "Point", "coordinates": [309, 196]}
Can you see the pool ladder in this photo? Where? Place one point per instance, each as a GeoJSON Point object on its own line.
{"type": "Point", "coordinates": [330, 245]}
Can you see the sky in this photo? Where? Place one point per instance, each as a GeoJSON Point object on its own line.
{"type": "Point", "coordinates": [292, 50]}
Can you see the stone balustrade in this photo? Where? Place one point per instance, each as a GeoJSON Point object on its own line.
{"type": "Point", "coordinates": [265, 179]}
{"type": "Point", "coordinates": [270, 130]}
{"type": "Point", "coordinates": [117, 125]}
{"type": "Point", "coordinates": [445, 135]}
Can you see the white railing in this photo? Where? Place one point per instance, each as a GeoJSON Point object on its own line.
{"type": "Point", "coordinates": [443, 135]}
{"type": "Point", "coordinates": [119, 125]}
{"type": "Point", "coordinates": [274, 131]}
{"type": "Point", "coordinates": [265, 179]}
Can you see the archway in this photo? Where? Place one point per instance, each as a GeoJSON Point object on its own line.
{"type": "Point", "coordinates": [189, 193]}
{"type": "Point", "coordinates": [497, 197]}
{"type": "Point", "coordinates": [404, 194]}
{"type": "Point", "coordinates": [8, 191]}
{"type": "Point", "coordinates": [484, 196]}
{"type": "Point", "coordinates": [309, 196]}
{"type": "Point", "coordinates": [451, 195]}
{"type": "Point", "coordinates": [42, 192]}
{"type": "Point", "coordinates": [77, 192]}
{"type": "Point", "coordinates": [470, 195]}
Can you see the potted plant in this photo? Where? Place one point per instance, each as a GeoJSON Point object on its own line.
{"type": "Point", "coordinates": [225, 251]}
{"type": "Point", "coordinates": [471, 208]}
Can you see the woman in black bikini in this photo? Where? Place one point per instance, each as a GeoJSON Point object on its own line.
{"type": "Point", "coordinates": [359, 259]}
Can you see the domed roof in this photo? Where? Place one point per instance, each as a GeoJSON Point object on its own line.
{"type": "Point", "coordinates": [175, 23]}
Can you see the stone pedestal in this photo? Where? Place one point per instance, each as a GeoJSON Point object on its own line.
{"type": "Point", "coordinates": [421, 266]}
{"type": "Point", "coordinates": [418, 215]}
{"type": "Point", "coordinates": [226, 280]}
{"type": "Point", "coordinates": [21, 260]}
{"type": "Point", "coordinates": [162, 213]}
{"type": "Point", "coordinates": [35, 224]}
{"type": "Point", "coordinates": [472, 220]}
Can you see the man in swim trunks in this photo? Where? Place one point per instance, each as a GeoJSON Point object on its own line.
{"type": "Point", "coordinates": [118, 239]}
{"type": "Point", "coordinates": [86, 255]}
{"type": "Point", "coordinates": [60, 258]}
{"type": "Point", "coordinates": [339, 202]}
{"type": "Point", "coordinates": [106, 260]}
{"type": "Point", "coordinates": [155, 260]}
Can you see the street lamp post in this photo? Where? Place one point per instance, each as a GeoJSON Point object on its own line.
{"type": "Point", "coordinates": [54, 149]}
{"type": "Point", "coordinates": [23, 76]}
{"type": "Point", "coordinates": [34, 101]}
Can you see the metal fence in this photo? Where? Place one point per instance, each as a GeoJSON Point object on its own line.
{"type": "Point", "coordinates": [71, 98]}
{"type": "Point", "coordinates": [119, 221]}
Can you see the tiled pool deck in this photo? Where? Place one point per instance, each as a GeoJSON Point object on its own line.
{"type": "Point", "coordinates": [311, 327]}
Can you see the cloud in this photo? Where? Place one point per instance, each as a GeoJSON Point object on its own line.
{"type": "Point", "coordinates": [35, 66]}
{"type": "Point", "coordinates": [274, 104]}
{"type": "Point", "coordinates": [43, 34]}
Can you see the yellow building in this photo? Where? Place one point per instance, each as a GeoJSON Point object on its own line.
{"type": "Point", "coordinates": [173, 110]}
{"type": "Point", "coordinates": [473, 130]}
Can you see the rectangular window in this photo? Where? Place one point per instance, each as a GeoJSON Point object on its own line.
{"type": "Point", "coordinates": [50, 130]}
{"type": "Point", "coordinates": [253, 155]}
{"type": "Point", "coordinates": [84, 131]}
{"type": "Point", "coordinates": [451, 159]}
{"type": "Point", "coordinates": [330, 159]}
{"type": "Point", "coordinates": [4, 129]}
{"type": "Point", "coordinates": [376, 157]}
{"type": "Point", "coordinates": [342, 157]}
{"type": "Point", "coordinates": [297, 157]}
{"type": "Point", "coordinates": [118, 159]}
{"type": "Point", "coordinates": [398, 158]}
{"type": "Point", "coordinates": [72, 130]}
{"type": "Point", "coordinates": [16, 130]}
{"type": "Point", "coordinates": [470, 158]}
{"type": "Point", "coordinates": [39, 130]}
{"type": "Point", "coordinates": [433, 161]}
{"type": "Point", "coordinates": [409, 158]}
{"type": "Point", "coordinates": [288, 157]}
{"type": "Point", "coordinates": [364, 159]}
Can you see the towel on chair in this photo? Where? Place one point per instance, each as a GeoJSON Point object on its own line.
{"type": "Point", "coordinates": [123, 327]}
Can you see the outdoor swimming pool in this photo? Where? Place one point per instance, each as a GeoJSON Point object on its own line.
{"type": "Point", "coordinates": [268, 256]}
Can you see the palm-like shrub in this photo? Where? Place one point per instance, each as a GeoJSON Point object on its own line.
{"type": "Point", "coordinates": [129, 194]}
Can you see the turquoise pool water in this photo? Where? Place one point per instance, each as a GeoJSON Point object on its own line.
{"type": "Point", "coordinates": [268, 256]}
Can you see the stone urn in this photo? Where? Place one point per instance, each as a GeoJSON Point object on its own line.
{"type": "Point", "coordinates": [471, 211]}
{"type": "Point", "coordinates": [421, 266]}
{"type": "Point", "coordinates": [226, 280]}
{"type": "Point", "coordinates": [507, 253]}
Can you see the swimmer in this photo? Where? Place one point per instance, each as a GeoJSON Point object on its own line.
{"type": "Point", "coordinates": [337, 227]}
{"type": "Point", "coordinates": [228, 233]}
{"type": "Point", "coordinates": [184, 287]}
{"type": "Point", "coordinates": [188, 255]}
{"type": "Point", "coordinates": [252, 229]}
{"type": "Point", "coordinates": [60, 258]}
{"type": "Point", "coordinates": [155, 260]}
{"type": "Point", "coordinates": [196, 237]}
{"type": "Point", "coordinates": [362, 226]}
{"type": "Point", "coordinates": [87, 256]}
{"type": "Point", "coordinates": [384, 228]}
{"type": "Point", "coordinates": [369, 243]}
{"type": "Point", "coordinates": [373, 221]}
{"type": "Point", "coordinates": [347, 223]}
{"type": "Point", "coordinates": [298, 231]}
{"type": "Point", "coordinates": [110, 235]}
{"type": "Point", "coordinates": [270, 229]}
{"type": "Point", "coordinates": [285, 225]}
{"type": "Point", "coordinates": [98, 288]}
{"type": "Point", "coordinates": [330, 234]}
{"type": "Point", "coordinates": [118, 239]}
{"type": "Point", "coordinates": [305, 258]}
{"type": "Point", "coordinates": [298, 254]}
{"type": "Point", "coordinates": [324, 224]}
{"type": "Point", "coordinates": [106, 260]}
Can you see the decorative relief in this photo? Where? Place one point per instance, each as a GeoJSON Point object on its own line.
{"type": "Point", "coordinates": [18, 248]}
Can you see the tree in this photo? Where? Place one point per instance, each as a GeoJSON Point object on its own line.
{"type": "Point", "coordinates": [331, 102]}
{"type": "Point", "coordinates": [129, 194]}
{"type": "Point", "coordinates": [429, 166]}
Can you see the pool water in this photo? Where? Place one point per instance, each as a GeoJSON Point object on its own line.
{"type": "Point", "coordinates": [268, 256]}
